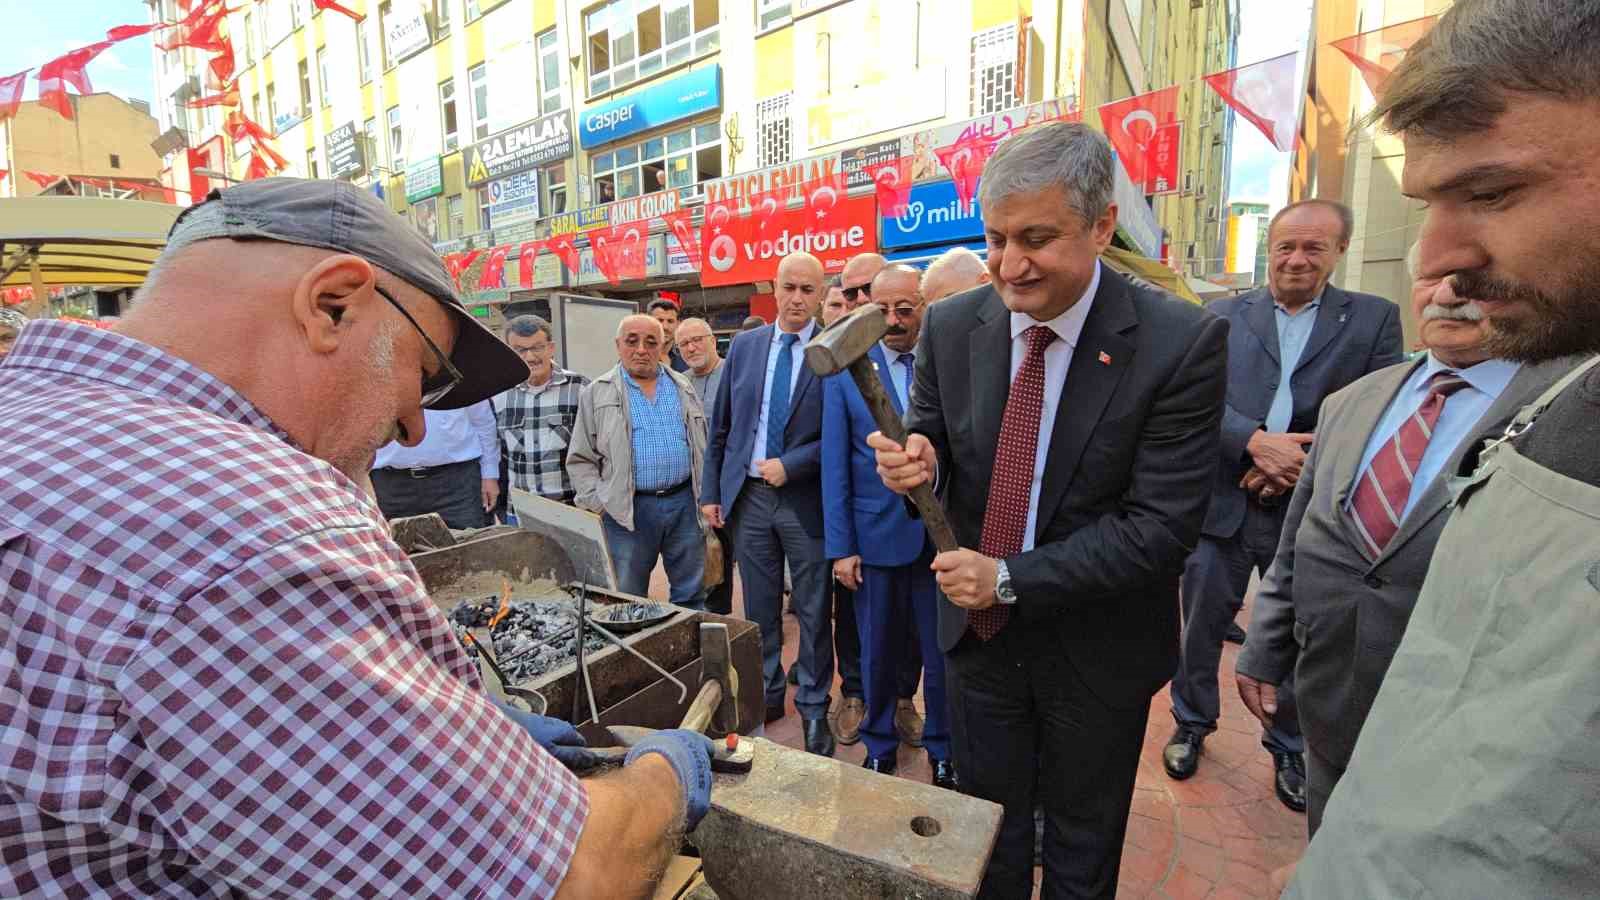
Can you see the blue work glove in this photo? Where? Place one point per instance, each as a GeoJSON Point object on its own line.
{"type": "Point", "coordinates": [554, 735]}
{"type": "Point", "coordinates": [689, 752]}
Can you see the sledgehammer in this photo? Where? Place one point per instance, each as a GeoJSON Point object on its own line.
{"type": "Point", "coordinates": [844, 346]}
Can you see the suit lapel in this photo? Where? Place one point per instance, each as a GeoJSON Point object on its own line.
{"type": "Point", "coordinates": [1260, 316]}
{"type": "Point", "coordinates": [1332, 314]}
{"type": "Point", "coordinates": [801, 385]}
{"type": "Point", "coordinates": [880, 365]}
{"type": "Point", "coordinates": [751, 400]}
{"type": "Point", "coordinates": [991, 373]}
{"type": "Point", "coordinates": [1104, 352]}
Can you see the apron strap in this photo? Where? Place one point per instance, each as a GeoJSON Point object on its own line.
{"type": "Point", "coordinates": [1528, 414]}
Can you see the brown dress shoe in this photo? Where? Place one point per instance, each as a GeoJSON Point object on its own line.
{"type": "Point", "coordinates": [907, 722]}
{"type": "Point", "coordinates": [846, 719]}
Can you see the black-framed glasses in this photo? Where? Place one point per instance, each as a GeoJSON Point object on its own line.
{"type": "Point", "coordinates": [440, 383]}
{"type": "Point", "coordinates": [850, 293]}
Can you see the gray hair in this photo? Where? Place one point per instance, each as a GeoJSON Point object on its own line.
{"type": "Point", "coordinates": [1414, 259]}
{"type": "Point", "coordinates": [1068, 155]}
{"type": "Point", "coordinates": [957, 261]}
{"type": "Point", "coordinates": [903, 270]}
{"type": "Point", "coordinates": [1457, 78]}
{"type": "Point", "coordinates": [528, 326]}
{"type": "Point", "coordinates": [641, 317]}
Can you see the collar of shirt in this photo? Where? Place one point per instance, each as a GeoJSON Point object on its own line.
{"type": "Point", "coordinates": [1489, 377]}
{"type": "Point", "coordinates": [1067, 326]}
{"type": "Point", "coordinates": [1315, 302]}
{"type": "Point", "coordinates": [72, 350]}
{"type": "Point", "coordinates": [661, 375]}
{"type": "Point", "coordinates": [558, 376]}
{"type": "Point", "coordinates": [805, 334]}
{"type": "Point", "coordinates": [893, 355]}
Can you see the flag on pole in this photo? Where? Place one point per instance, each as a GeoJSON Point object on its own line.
{"type": "Point", "coordinates": [1132, 126]}
{"type": "Point", "coordinates": [964, 160]}
{"type": "Point", "coordinates": [11, 93]}
{"type": "Point", "coordinates": [1267, 95]}
{"type": "Point", "coordinates": [1376, 53]}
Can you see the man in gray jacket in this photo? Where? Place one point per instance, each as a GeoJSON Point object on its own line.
{"type": "Point", "coordinates": [636, 458]}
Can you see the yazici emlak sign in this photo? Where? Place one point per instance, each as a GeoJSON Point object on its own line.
{"type": "Point", "coordinates": [679, 98]}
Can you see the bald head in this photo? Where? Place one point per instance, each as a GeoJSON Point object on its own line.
{"type": "Point", "coordinates": [859, 272]}
{"type": "Point", "coordinates": [957, 269]}
{"type": "Point", "coordinates": [798, 291]}
{"type": "Point", "coordinates": [897, 292]}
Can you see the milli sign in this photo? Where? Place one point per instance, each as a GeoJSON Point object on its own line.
{"type": "Point", "coordinates": [934, 215]}
{"type": "Point", "coordinates": [687, 95]}
{"type": "Point", "coordinates": [528, 146]}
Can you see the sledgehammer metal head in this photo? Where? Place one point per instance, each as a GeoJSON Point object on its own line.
{"type": "Point", "coordinates": [847, 340]}
{"type": "Point", "coordinates": [715, 709]}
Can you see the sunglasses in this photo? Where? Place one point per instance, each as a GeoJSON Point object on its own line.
{"type": "Point", "coordinates": [850, 293]}
{"type": "Point", "coordinates": [440, 383]}
{"type": "Point", "coordinates": [903, 311]}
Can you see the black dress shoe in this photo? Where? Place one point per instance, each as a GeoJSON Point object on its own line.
{"type": "Point", "coordinates": [774, 712]}
{"type": "Point", "coordinates": [944, 774]}
{"type": "Point", "coordinates": [1235, 634]}
{"type": "Point", "coordinates": [883, 765]}
{"type": "Point", "coordinates": [1182, 755]}
{"type": "Point", "coordinates": [1291, 779]}
{"type": "Point", "coordinates": [819, 738]}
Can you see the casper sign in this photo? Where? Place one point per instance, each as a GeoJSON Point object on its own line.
{"type": "Point", "coordinates": [687, 95]}
{"type": "Point", "coordinates": [740, 254]}
{"type": "Point", "coordinates": [528, 146]}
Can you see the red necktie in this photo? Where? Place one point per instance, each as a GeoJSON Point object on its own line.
{"type": "Point", "coordinates": [1381, 495]}
{"type": "Point", "coordinates": [1005, 518]}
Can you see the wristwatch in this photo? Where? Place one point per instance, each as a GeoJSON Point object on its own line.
{"type": "Point", "coordinates": [1004, 593]}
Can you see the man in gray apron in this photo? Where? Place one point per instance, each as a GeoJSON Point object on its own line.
{"type": "Point", "coordinates": [1477, 773]}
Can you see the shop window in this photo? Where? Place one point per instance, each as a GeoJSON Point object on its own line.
{"type": "Point", "coordinates": [994, 70]}
{"type": "Point", "coordinates": [679, 159]}
{"type": "Point", "coordinates": [775, 132]}
{"type": "Point", "coordinates": [632, 39]}
{"type": "Point", "coordinates": [549, 72]}
{"type": "Point", "coordinates": [553, 183]}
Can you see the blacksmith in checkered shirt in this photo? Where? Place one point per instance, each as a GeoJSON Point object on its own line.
{"type": "Point", "coordinates": [219, 677]}
{"type": "Point", "coordinates": [535, 418]}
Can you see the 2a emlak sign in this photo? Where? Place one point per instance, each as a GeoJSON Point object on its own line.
{"type": "Point", "coordinates": [735, 251]}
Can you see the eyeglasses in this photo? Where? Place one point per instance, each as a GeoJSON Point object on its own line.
{"type": "Point", "coordinates": [440, 383]}
{"type": "Point", "coordinates": [850, 293]}
{"type": "Point", "coordinates": [903, 311]}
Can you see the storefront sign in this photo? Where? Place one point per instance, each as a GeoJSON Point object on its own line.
{"type": "Point", "coordinates": [528, 146]}
{"type": "Point", "coordinates": [921, 145]}
{"type": "Point", "coordinates": [858, 161]}
{"type": "Point", "coordinates": [687, 95]}
{"type": "Point", "coordinates": [649, 206]}
{"type": "Point", "coordinates": [934, 216]}
{"type": "Point", "coordinates": [580, 220]}
{"type": "Point", "coordinates": [792, 177]}
{"type": "Point", "coordinates": [345, 156]}
{"type": "Point", "coordinates": [424, 179]}
{"type": "Point", "coordinates": [406, 30]}
{"type": "Point", "coordinates": [740, 255]}
{"type": "Point", "coordinates": [286, 120]}
{"type": "Point", "coordinates": [513, 199]}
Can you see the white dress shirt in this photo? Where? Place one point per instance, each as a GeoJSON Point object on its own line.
{"type": "Point", "coordinates": [453, 436]}
{"type": "Point", "coordinates": [1057, 358]}
{"type": "Point", "coordinates": [797, 353]}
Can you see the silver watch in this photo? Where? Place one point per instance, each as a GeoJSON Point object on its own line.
{"type": "Point", "coordinates": [1004, 593]}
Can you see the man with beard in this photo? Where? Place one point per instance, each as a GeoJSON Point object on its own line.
{"type": "Point", "coordinates": [1347, 570]}
{"type": "Point", "coordinates": [1475, 771]}
{"type": "Point", "coordinates": [699, 346]}
{"type": "Point", "coordinates": [222, 677]}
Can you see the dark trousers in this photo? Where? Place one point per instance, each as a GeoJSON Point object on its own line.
{"type": "Point", "coordinates": [767, 530]}
{"type": "Point", "coordinates": [719, 599]}
{"type": "Point", "coordinates": [1028, 730]}
{"type": "Point", "coordinates": [667, 528]}
{"type": "Point", "coordinates": [1215, 579]}
{"type": "Point", "coordinates": [454, 491]}
{"type": "Point", "coordinates": [895, 602]}
{"type": "Point", "coordinates": [847, 642]}
{"type": "Point", "coordinates": [1322, 775]}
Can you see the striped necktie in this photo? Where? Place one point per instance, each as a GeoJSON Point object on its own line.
{"type": "Point", "coordinates": [1381, 495]}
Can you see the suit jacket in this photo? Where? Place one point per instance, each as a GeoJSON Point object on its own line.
{"type": "Point", "coordinates": [1127, 477]}
{"type": "Point", "coordinates": [1327, 611]}
{"type": "Point", "coordinates": [861, 516]}
{"type": "Point", "coordinates": [735, 415]}
{"type": "Point", "coordinates": [1354, 334]}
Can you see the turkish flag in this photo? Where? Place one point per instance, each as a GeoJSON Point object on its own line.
{"type": "Point", "coordinates": [964, 160]}
{"type": "Point", "coordinates": [628, 250]}
{"type": "Point", "coordinates": [892, 181]}
{"type": "Point", "coordinates": [602, 245]}
{"type": "Point", "coordinates": [67, 69]}
{"type": "Point", "coordinates": [563, 246]}
{"type": "Point", "coordinates": [1161, 177]}
{"type": "Point", "coordinates": [825, 196]}
{"type": "Point", "coordinates": [494, 270]}
{"type": "Point", "coordinates": [458, 263]}
{"type": "Point", "coordinates": [1131, 126]}
{"type": "Point", "coordinates": [330, 4]}
{"type": "Point", "coordinates": [11, 93]}
{"type": "Point", "coordinates": [1265, 94]}
{"type": "Point", "coordinates": [527, 255]}
{"type": "Point", "coordinates": [258, 166]}
{"type": "Point", "coordinates": [228, 97]}
{"type": "Point", "coordinates": [125, 32]}
{"type": "Point", "coordinates": [678, 222]}
{"type": "Point", "coordinates": [766, 206]}
{"type": "Point", "coordinates": [1376, 53]}
{"type": "Point", "coordinates": [42, 179]}
{"type": "Point", "coordinates": [721, 233]}
{"type": "Point", "coordinates": [200, 29]}
{"type": "Point", "coordinates": [219, 71]}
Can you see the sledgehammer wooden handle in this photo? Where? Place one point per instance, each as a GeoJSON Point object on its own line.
{"type": "Point", "coordinates": [932, 511]}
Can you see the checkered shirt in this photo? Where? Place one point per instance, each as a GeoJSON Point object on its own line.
{"type": "Point", "coordinates": [661, 456]}
{"type": "Point", "coordinates": [218, 675]}
{"type": "Point", "coordinates": [535, 426]}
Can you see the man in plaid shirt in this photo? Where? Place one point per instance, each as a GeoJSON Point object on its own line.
{"type": "Point", "coordinates": [535, 418]}
{"type": "Point", "coordinates": [218, 675]}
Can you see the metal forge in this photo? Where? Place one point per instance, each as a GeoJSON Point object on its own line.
{"type": "Point", "coordinates": [796, 825]}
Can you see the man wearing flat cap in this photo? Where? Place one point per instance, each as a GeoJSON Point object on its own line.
{"type": "Point", "coordinates": [222, 677]}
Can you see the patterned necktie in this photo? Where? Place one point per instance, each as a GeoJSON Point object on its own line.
{"type": "Point", "coordinates": [1005, 518]}
{"type": "Point", "coordinates": [1381, 495]}
{"type": "Point", "coordinates": [778, 404]}
{"type": "Point", "coordinates": [909, 360]}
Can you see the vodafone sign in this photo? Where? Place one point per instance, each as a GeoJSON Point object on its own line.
{"type": "Point", "coordinates": [738, 252]}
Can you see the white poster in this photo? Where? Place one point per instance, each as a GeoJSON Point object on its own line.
{"type": "Point", "coordinates": [512, 65]}
{"type": "Point", "coordinates": [422, 129]}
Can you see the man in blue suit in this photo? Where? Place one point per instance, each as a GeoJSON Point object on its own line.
{"type": "Point", "coordinates": [761, 476]}
{"type": "Point", "coordinates": [1290, 345]}
{"type": "Point", "coordinates": [879, 551]}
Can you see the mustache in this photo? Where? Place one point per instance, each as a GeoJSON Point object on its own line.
{"type": "Point", "coordinates": [1477, 284]}
{"type": "Point", "coordinates": [1466, 312]}
{"type": "Point", "coordinates": [896, 330]}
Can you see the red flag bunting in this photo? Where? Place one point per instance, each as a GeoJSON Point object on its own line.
{"type": "Point", "coordinates": [11, 93]}
{"type": "Point", "coordinates": [892, 181]}
{"type": "Point", "coordinates": [229, 97]}
{"type": "Point", "coordinates": [67, 69]}
{"type": "Point", "coordinates": [4, 173]}
{"type": "Point", "coordinates": [1376, 53]}
{"type": "Point", "coordinates": [527, 255]}
{"type": "Point", "coordinates": [602, 245]}
{"type": "Point", "coordinates": [766, 206]}
{"type": "Point", "coordinates": [331, 5]}
{"type": "Point", "coordinates": [628, 250]}
{"type": "Point", "coordinates": [1131, 125]}
{"type": "Point", "coordinates": [964, 161]}
{"type": "Point", "coordinates": [42, 179]}
{"type": "Point", "coordinates": [219, 71]}
{"type": "Point", "coordinates": [125, 32]}
{"type": "Point", "coordinates": [1265, 94]}
{"type": "Point", "coordinates": [494, 269]}
{"type": "Point", "coordinates": [1161, 169]}
{"type": "Point", "coordinates": [825, 195]}
{"type": "Point", "coordinates": [563, 246]}
{"type": "Point", "coordinates": [678, 222]}
{"type": "Point", "coordinates": [258, 166]}
{"type": "Point", "coordinates": [721, 232]}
